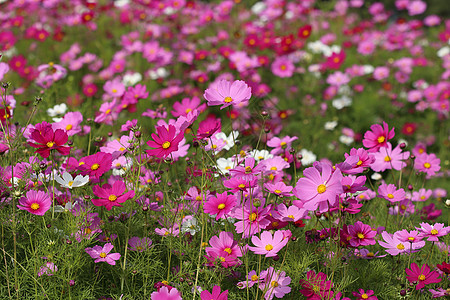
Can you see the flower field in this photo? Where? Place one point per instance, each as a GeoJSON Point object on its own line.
{"type": "Point", "coordinates": [234, 149]}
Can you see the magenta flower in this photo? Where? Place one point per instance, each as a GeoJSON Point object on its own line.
{"type": "Point", "coordinates": [365, 160]}
{"type": "Point", "coordinates": [361, 234]}
{"type": "Point", "coordinates": [427, 163]}
{"type": "Point", "coordinates": [46, 139]}
{"type": "Point", "coordinates": [268, 245]}
{"type": "Point", "coordinates": [316, 190]}
{"type": "Point", "coordinates": [390, 193]}
{"type": "Point", "coordinates": [421, 276]}
{"type": "Point", "coordinates": [226, 93]}
{"type": "Point", "coordinates": [280, 145]}
{"type": "Point", "coordinates": [289, 214]}
{"type": "Point", "coordinates": [48, 269]}
{"type": "Point", "coordinates": [237, 184]}
{"type": "Point", "coordinates": [187, 105]}
{"type": "Point", "coordinates": [35, 202]}
{"type": "Point", "coordinates": [252, 219]}
{"type": "Point", "coordinates": [96, 164]}
{"type": "Point", "coordinates": [138, 244]}
{"type": "Point", "coordinates": [316, 286]}
{"type": "Point", "coordinates": [365, 295]}
{"type": "Point", "coordinates": [111, 196]}
{"type": "Point", "coordinates": [432, 232]}
{"type": "Point", "coordinates": [102, 254]}
{"type": "Point", "coordinates": [215, 295]}
{"type": "Point", "coordinates": [377, 137]}
{"type": "Point", "coordinates": [220, 204]}
{"type": "Point", "coordinates": [249, 170]}
{"type": "Point", "coordinates": [165, 142]}
{"type": "Point", "coordinates": [208, 127]}
{"type": "Point", "coordinates": [282, 67]}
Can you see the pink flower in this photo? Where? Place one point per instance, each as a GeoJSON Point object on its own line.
{"type": "Point", "coordinates": [275, 283]}
{"type": "Point", "coordinates": [114, 88]}
{"type": "Point", "coordinates": [227, 93]}
{"type": "Point", "coordinates": [283, 67]}
{"type": "Point", "coordinates": [101, 254]}
{"type": "Point", "coordinates": [377, 137]}
{"type": "Point", "coordinates": [111, 196]}
{"type": "Point", "coordinates": [187, 105]}
{"type": "Point", "coordinates": [365, 160]}
{"type": "Point", "coordinates": [220, 204]}
{"type": "Point", "coordinates": [316, 286]}
{"type": "Point", "coordinates": [416, 7]}
{"type": "Point", "coordinates": [432, 232]}
{"type": "Point", "coordinates": [390, 193]}
{"type": "Point", "coordinates": [46, 139]}
{"type": "Point", "coordinates": [165, 142]}
{"type": "Point", "coordinates": [138, 244]}
{"type": "Point", "coordinates": [48, 269]}
{"type": "Point", "coordinates": [421, 276]}
{"type": "Point", "coordinates": [35, 202]}
{"type": "Point", "coordinates": [393, 244]}
{"type": "Point", "coordinates": [215, 295]}
{"type": "Point", "coordinates": [279, 189]}
{"type": "Point", "coordinates": [381, 73]}
{"type": "Point", "coordinates": [361, 234]}
{"type": "Point", "coordinates": [223, 246]}
{"type": "Point", "coordinates": [70, 123]}
{"type": "Point", "coordinates": [316, 190]}
{"type": "Point", "coordinates": [253, 219]}
{"type": "Point", "coordinates": [427, 163]}
{"type": "Point", "coordinates": [338, 78]}
{"type": "Point", "coordinates": [289, 214]}
{"type": "Point", "coordinates": [412, 237]}
{"type": "Point", "coordinates": [268, 245]}
{"type": "Point", "coordinates": [165, 294]}
{"type": "Point", "coordinates": [388, 158]}
{"type": "Point", "coordinates": [249, 170]}
{"type": "Point", "coordinates": [280, 145]}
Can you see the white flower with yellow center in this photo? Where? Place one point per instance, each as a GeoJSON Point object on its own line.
{"type": "Point", "coordinates": [69, 182]}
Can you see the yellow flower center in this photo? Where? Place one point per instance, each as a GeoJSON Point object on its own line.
{"type": "Point", "coordinates": [370, 254]}
{"type": "Point", "coordinates": [165, 282]}
{"type": "Point", "coordinates": [321, 189]}
{"type": "Point", "coordinates": [269, 247]}
{"type": "Point", "coordinates": [35, 206]}
{"type": "Point", "coordinates": [166, 145]}
{"type": "Point", "coordinates": [403, 207]}
{"type": "Point", "coordinates": [387, 158]}
{"type": "Point", "coordinates": [277, 192]}
{"type": "Point", "coordinates": [241, 186]}
{"type": "Point", "coordinates": [411, 238]}
{"type": "Point", "coordinates": [188, 110]}
{"type": "Point", "coordinates": [273, 168]}
{"type": "Point", "coordinates": [121, 148]}
{"type": "Point", "coordinates": [283, 67]}
{"type": "Point", "coordinates": [400, 247]}
{"type": "Point", "coordinates": [248, 169]}
{"type": "Point", "coordinates": [364, 296]}
{"type": "Point", "coordinates": [108, 111]}
{"type": "Point", "coordinates": [360, 235]}
{"type": "Point", "coordinates": [222, 259]}
{"type": "Point", "coordinates": [421, 277]}
{"type": "Point", "coordinates": [252, 217]}
{"type": "Point", "coordinates": [68, 127]}
{"type": "Point", "coordinates": [254, 277]}
{"type": "Point", "coordinates": [221, 206]}
{"type": "Point", "coordinates": [112, 198]}
{"type": "Point", "coordinates": [359, 163]}
{"type": "Point", "coordinates": [95, 167]}
{"type": "Point", "coordinates": [390, 196]}
{"type": "Point", "coordinates": [70, 183]}
{"type": "Point", "coordinates": [227, 250]}
{"type": "Point", "coordinates": [381, 139]}
{"type": "Point", "coordinates": [228, 99]}
{"type": "Point", "coordinates": [283, 145]}
{"type": "Point", "coordinates": [50, 144]}
{"type": "Point", "coordinates": [434, 232]}
{"type": "Point", "coordinates": [274, 283]}
{"type": "Point", "coordinates": [291, 217]}
{"type": "Point", "coordinates": [427, 165]}
{"type": "Point", "coordinates": [114, 90]}
{"type": "Point", "coordinates": [102, 254]}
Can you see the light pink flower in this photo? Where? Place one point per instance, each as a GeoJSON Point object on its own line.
{"type": "Point", "coordinates": [226, 93]}
{"type": "Point", "coordinates": [101, 254]}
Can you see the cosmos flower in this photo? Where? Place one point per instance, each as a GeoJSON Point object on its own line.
{"type": "Point", "coordinates": [220, 204]}
{"type": "Point", "coordinates": [268, 245]}
{"type": "Point", "coordinates": [101, 254]}
{"type": "Point", "coordinates": [226, 93]}
{"type": "Point", "coordinates": [421, 276]}
{"type": "Point", "coordinates": [35, 202]}
{"type": "Point", "coordinates": [110, 196]}
{"type": "Point", "coordinates": [377, 137]}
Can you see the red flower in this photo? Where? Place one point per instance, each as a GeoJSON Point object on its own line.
{"type": "Point", "coordinates": [46, 140]}
{"type": "Point", "coordinates": [409, 128]}
{"type": "Point", "coordinates": [422, 276]}
{"type": "Point", "coordinates": [304, 32]}
{"type": "Point", "coordinates": [165, 142]}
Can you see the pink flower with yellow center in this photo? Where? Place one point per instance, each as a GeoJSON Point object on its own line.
{"type": "Point", "coordinates": [35, 202]}
{"type": "Point", "coordinates": [220, 205]}
{"type": "Point", "coordinates": [102, 254]}
{"type": "Point", "coordinates": [110, 196]}
{"type": "Point", "coordinates": [165, 142]}
{"type": "Point", "coordinates": [227, 93]}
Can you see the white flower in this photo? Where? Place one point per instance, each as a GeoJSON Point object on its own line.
{"type": "Point", "coordinates": [229, 140]}
{"type": "Point", "coordinates": [260, 154]}
{"type": "Point", "coordinates": [307, 157]}
{"type": "Point", "coordinates": [330, 125]}
{"type": "Point", "coordinates": [57, 110]}
{"type": "Point", "coordinates": [346, 139]}
{"type": "Point", "coordinates": [225, 164]}
{"type": "Point", "coordinates": [288, 15]}
{"type": "Point", "coordinates": [443, 51]}
{"type": "Point", "coordinates": [69, 182]}
{"type": "Point", "coordinates": [131, 79]}
{"type": "Point", "coordinates": [368, 69]}
{"type": "Point", "coordinates": [121, 3]}
{"type": "Point", "coordinates": [65, 208]}
{"type": "Point", "coordinates": [376, 176]}
{"type": "Point", "coordinates": [317, 47]}
{"type": "Point", "coordinates": [189, 225]}
{"type": "Point", "coordinates": [258, 8]}
{"type": "Point", "coordinates": [342, 102]}
{"type": "Point", "coordinates": [158, 73]}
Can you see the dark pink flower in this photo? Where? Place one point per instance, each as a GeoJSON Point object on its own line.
{"type": "Point", "coordinates": [361, 234]}
{"type": "Point", "coordinates": [421, 276]}
{"type": "Point", "coordinates": [35, 202]}
{"type": "Point", "coordinates": [165, 142]}
{"type": "Point", "coordinates": [96, 164]}
{"type": "Point", "coordinates": [377, 137]}
{"type": "Point", "coordinates": [220, 204]}
{"type": "Point", "coordinates": [111, 196]}
{"type": "Point", "coordinates": [215, 295]}
{"type": "Point", "coordinates": [46, 139]}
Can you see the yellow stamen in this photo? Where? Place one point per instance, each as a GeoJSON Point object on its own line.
{"type": "Point", "coordinates": [321, 189]}
{"type": "Point", "coordinates": [102, 254]}
{"type": "Point", "coordinates": [221, 206]}
{"type": "Point", "coordinates": [166, 145]}
{"type": "Point", "coordinates": [228, 99]}
{"type": "Point", "coordinates": [35, 206]}
{"type": "Point", "coordinates": [50, 144]}
{"type": "Point", "coordinates": [95, 167]}
{"type": "Point", "coordinates": [252, 217]}
{"type": "Point", "coordinates": [381, 139]}
{"type": "Point", "coordinates": [268, 247]}
{"type": "Point", "coordinates": [68, 127]}
{"type": "Point", "coordinates": [227, 250]}
{"type": "Point", "coordinates": [427, 165]}
{"type": "Point", "coordinates": [112, 198]}
{"type": "Point", "coordinates": [400, 247]}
